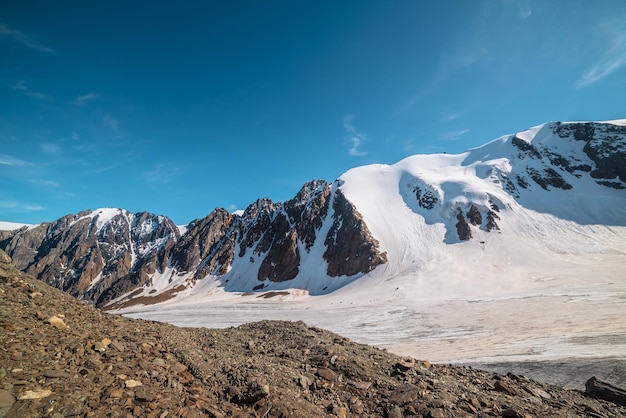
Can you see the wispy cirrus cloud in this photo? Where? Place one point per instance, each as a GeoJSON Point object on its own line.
{"type": "Point", "coordinates": [454, 135]}
{"type": "Point", "coordinates": [20, 206]}
{"type": "Point", "coordinates": [51, 149]}
{"type": "Point", "coordinates": [162, 173]}
{"type": "Point", "coordinates": [82, 100]}
{"type": "Point", "coordinates": [23, 88]}
{"type": "Point", "coordinates": [12, 161]}
{"type": "Point", "coordinates": [112, 123]}
{"type": "Point", "coordinates": [524, 9]}
{"type": "Point", "coordinates": [614, 56]}
{"type": "Point", "coordinates": [23, 39]}
{"type": "Point", "coordinates": [355, 138]}
{"type": "Point", "coordinates": [46, 183]}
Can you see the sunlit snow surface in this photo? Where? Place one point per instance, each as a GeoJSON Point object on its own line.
{"type": "Point", "coordinates": [460, 307]}
{"type": "Point", "coordinates": [551, 284]}
{"type": "Point", "coordinates": [11, 226]}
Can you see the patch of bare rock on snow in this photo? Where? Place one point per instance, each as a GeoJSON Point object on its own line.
{"type": "Point", "coordinates": [86, 363]}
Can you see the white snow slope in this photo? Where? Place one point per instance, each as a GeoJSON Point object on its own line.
{"type": "Point", "coordinates": [548, 284]}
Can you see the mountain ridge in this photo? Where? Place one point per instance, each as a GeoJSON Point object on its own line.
{"type": "Point", "coordinates": [385, 218]}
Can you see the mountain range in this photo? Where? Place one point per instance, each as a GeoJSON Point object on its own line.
{"type": "Point", "coordinates": [378, 221]}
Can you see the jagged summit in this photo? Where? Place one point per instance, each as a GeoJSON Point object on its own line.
{"type": "Point", "coordinates": [377, 220]}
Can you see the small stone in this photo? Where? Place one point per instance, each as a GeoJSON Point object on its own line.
{"type": "Point", "coordinates": [80, 352]}
{"type": "Point", "coordinates": [116, 394]}
{"type": "Point", "coordinates": [106, 342]}
{"type": "Point", "coordinates": [327, 374]}
{"type": "Point", "coordinates": [158, 362]}
{"type": "Point", "coordinates": [304, 382]}
{"type": "Point", "coordinates": [144, 395]}
{"type": "Point", "coordinates": [436, 413]}
{"type": "Point", "coordinates": [395, 412]}
{"type": "Point", "coordinates": [256, 392]}
{"type": "Point", "coordinates": [56, 322]}
{"type": "Point", "coordinates": [405, 364]}
{"type": "Point", "coordinates": [356, 406]}
{"type": "Point", "coordinates": [362, 385]}
{"type": "Point", "coordinates": [35, 294]}
{"type": "Point", "coordinates": [404, 395]}
{"type": "Point", "coordinates": [213, 413]}
{"type": "Point", "coordinates": [185, 377]}
{"type": "Point", "coordinates": [179, 368]}
{"type": "Point", "coordinates": [132, 383]}
{"type": "Point", "coordinates": [56, 374]}
{"type": "Point", "coordinates": [340, 411]}
{"type": "Point", "coordinates": [505, 387]}
{"type": "Point", "coordinates": [511, 413]}
{"type": "Point", "coordinates": [98, 346]}
{"type": "Point", "coordinates": [6, 401]}
{"type": "Point", "coordinates": [541, 393]}
{"type": "Point", "coordinates": [117, 345]}
{"type": "Point", "coordinates": [35, 394]}
{"type": "Point", "coordinates": [73, 410]}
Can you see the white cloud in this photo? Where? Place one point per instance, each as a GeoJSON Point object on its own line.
{"type": "Point", "coordinates": [29, 208]}
{"type": "Point", "coordinates": [454, 135]}
{"type": "Point", "coordinates": [606, 66]}
{"type": "Point", "coordinates": [46, 183]}
{"type": "Point", "coordinates": [448, 116]}
{"type": "Point", "coordinates": [355, 138]}
{"type": "Point", "coordinates": [13, 161]}
{"type": "Point", "coordinates": [82, 100]}
{"type": "Point", "coordinates": [51, 149]}
{"type": "Point", "coordinates": [111, 122]}
{"type": "Point", "coordinates": [614, 57]}
{"type": "Point", "coordinates": [162, 173]}
{"type": "Point", "coordinates": [22, 38]}
{"type": "Point", "coordinates": [24, 89]}
{"type": "Point", "coordinates": [524, 9]}
{"type": "Point", "coordinates": [18, 206]}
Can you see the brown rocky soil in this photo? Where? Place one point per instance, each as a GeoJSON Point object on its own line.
{"type": "Point", "coordinates": [60, 357]}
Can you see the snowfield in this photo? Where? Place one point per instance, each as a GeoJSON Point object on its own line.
{"type": "Point", "coordinates": [549, 284]}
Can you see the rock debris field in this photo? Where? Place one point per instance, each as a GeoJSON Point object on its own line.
{"type": "Point", "coordinates": [60, 357]}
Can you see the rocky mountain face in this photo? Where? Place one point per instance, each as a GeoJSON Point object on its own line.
{"type": "Point", "coordinates": [567, 157]}
{"type": "Point", "coordinates": [603, 144]}
{"type": "Point", "coordinates": [319, 239]}
{"type": "Point", "coordinates": [101, 255]}
{"type": "Point", "coordinates": [89, 253]}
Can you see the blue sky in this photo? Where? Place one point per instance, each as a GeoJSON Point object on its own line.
{"type": "Point", "coordinates": [177, 108]}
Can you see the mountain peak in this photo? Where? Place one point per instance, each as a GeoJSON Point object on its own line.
{"type": "Point", "coordinates": [377, 220]}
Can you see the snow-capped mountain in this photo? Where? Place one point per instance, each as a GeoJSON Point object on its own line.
{"type": "Point", "coordinates": [316, 241]}
{"type": "Point", "coordinates": [88, 253]}
{"type": "Point", "coordinates": [538, 183]}
{"type": "Point", "coordinates": [379, 221]}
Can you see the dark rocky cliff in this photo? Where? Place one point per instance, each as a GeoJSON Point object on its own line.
{"type": "Point", "coordinates": [102, 255]}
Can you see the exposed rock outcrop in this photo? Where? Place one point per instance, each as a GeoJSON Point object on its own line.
{"type": "Point", "coordinates": [207, 246]}
{"type": "Point", "coordinates": [350, 247]}
{"type": "Point", "coordinates": [88, 253]}
{"type": "Point", "coordinates": [100, 256]}
{"type": "Point", "coordinates": [463, 228]}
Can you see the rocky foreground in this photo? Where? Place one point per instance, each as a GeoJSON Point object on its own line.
{"type": "Point", "coordinates": [60, 357]}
